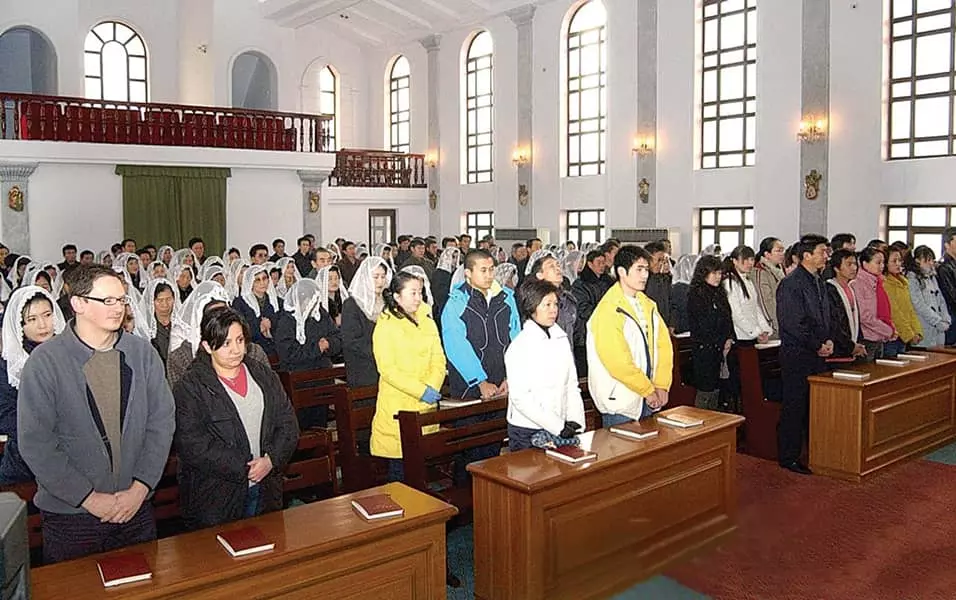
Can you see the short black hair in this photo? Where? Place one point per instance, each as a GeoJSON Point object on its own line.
{"type": "Point", "coordinates": [875, 242]}
{"type": "Point", "coordinates": [808, 243]}
{"type": "Point", "coordinates": [593, 255]}
{"type": "Point", "coordinates": [395, 286]}
{"type": "Point", "coordinates": [628, 255]}
{"type": "Point", "coordinates": [276, 242]}
{"type": "Point", "coordinates": [163, 287]}
{"type": "Point", "coordinates": [116, 248]}
{"type": "Point", "coordinates": [310, 236]}
{"type": "Point", "coordinates": [215, 325]}
{"type": "Point", "coordinates": [948, 234]}
{"type": "Point", "coordinates": [655, 247]}
{"type": "Point", "coordinates": [194, 241]}
{"type": "Point", "coordinates": [415, 243]}
{"type": "Point", "coordinates": [83, 278]}
{"type": "Point", "coordinates": [532, 241]}
{"type": "Point", "coordinates": [464, 235]}
{"type": "Point", "coordinates": [837, 241]}
{"type": "Point", "coordinates": [234, 251]}
{"type": "Point", "coordinates": [123, 243]}
{"type": "Point", "coordinates": [446, 240]}
{"type": "Point", "coordinates": [319, 251]}
{"type": "Point", "coordinates": [143, 251]}
{"type": "Point", "coordinates": [299, 241]}
{"type": "Point", "coordinates": [87, 253]}
{"type": "Point", "coordinates": [67, 248]}
{"type": "Point", "coordinates": [150, 247]}
{"type": "Point", "coordinates": [531, 293]}
{"type": "Point", "coordinates": [838, 256]}
{"type": "Point", "coordinates": [346, 244]}
{"type": "Point", "coordinates": [867, 254]}
{"type": "Point", "coordinates": [255, 248]}
{"type": "Point", "coordinates": [474, 256]}
{"type": "Point", "coordinates": [404, 238]}
{"type": "Point", "coordinates": [517, 246]}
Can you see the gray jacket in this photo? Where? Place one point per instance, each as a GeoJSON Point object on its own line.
{"type": "Point", "coordinates": [59, 428]}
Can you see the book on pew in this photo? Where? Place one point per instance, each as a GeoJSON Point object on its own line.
{"type": "Point", "coordinates": [118, 569]}
{"type": "Point", "coordinates": [911, 356]}
{"type": "Point", "coordinates": [635, 430]}
{"type": "Point", "coordinates": [679, 420]}
{"type": "Point", "coordinates": [379, 506]}
{"type": "Point", "coordinates": [571, 454]}
{"type": "Point", "coordinates": [770, 344]}
{"type": "Point", "coordinates": [453, 403]}
{"type": "Point", "coordinates": [851, 375]}
{"type": "Point", "coordinates": [248, 540]}
{"type": "Point", "coordinates": [891, 362]}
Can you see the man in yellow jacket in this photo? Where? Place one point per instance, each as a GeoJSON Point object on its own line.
{"type": "Point", "coordinates": [630, 358]}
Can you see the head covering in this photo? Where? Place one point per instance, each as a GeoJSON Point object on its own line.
{"type": "Point", "coordinates": [459, 275]}
{"type": "Point", "coordinates": [570, 263]}
{"type": "Point", "coordinates": [180, 255]}
{"type": "Point", "coordinates": [105, 257]}
{"type": "Point", "coordinates": [334, 249]}
{"type": "Point", "coordinates": [5, 290]}
{"type": "Point", "coordinates": [30, 276]}
{"type": "Point", "coordinates": [498, 254]}
{"type": "Point", "coordinates": [152, 266]}
{"type": "Point", "coordinates": [148, 325]}
{"type": "Point", "coordinates": [14, 276]}
{"type": "Point", "coordinates": [426, 284]}
{"type": "Point", "coordinates": [233, 280]}
{"type": "Point", "coordinates": [13, 351]}
{"type": "Point", "coordinates": [322, 279]}
{"type": "Point", "coordinates": [506, 274]}
{"type": "Point", "coordinates": [362, 289]}
{"type": "Point", "coordinates": [134, 294]}
{"type": "Point", "coordinates": [161, 253]}
{"type": "Point", "coordinates": [449, 259]}
{"type": "Point", "coordinates": [535, 257]}
{"type": "Point", "coordinates": [186, 322]}
{"type": "Point", "coordinates": [281, 264]}
{"type": "Point", "coordinates": [246, 290]}
{"type": "Point", "coordinates": [174, 273]}
{"type": "Point", "coordinates": [684, 269]}
{"type": "Point", "coordinates": [211, 262]}
{"type": "Point", "coordinates": [121, 264]}
{"type": "Point", "coordinates": [140, 327]}
{"type": "Point", "coordinates": [212, 272]}
{"type": "Point", "coordinates": [303, 300]}
{"type": "Point", "coordinates": [361, 250]}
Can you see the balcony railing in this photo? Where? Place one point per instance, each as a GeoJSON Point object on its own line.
{"type": "Point", "coordinates": [62, 119]}
{"type": "Point", "coordinates": [378, 168]}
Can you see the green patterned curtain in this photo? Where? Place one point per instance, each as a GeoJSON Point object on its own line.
{"type": "Point", "coordinates": [169, 205]}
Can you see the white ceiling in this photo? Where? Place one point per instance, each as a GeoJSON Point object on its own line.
{"type": "Point", "coordinates": [387, 22]}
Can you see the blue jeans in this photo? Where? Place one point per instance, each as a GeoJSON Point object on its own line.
{"type": "Point", "coordinates": [608, 420]}
{"type": "Point", "coordinates": [252, 502]}
{"type": "Point", "coordinates": [396, 470]}
{"type": "Point", "coordinates": [891, 349]}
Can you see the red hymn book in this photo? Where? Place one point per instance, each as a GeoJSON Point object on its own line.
{"type": "Point", "coordinates": [248, 540]}
{"type": "Point", "coordinates": [123, 568]}
{"type": "Point", "coordinates": [378, 506]}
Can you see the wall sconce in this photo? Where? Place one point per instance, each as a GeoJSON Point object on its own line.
{"type": "Point", "coordinates": [812, 130]}
{"type": "Point", "coordinates": [521, 157]}
{"type": "Point", "coordinates": [431, 159]}
{"type": "Point", "coordinates": [643, 146]}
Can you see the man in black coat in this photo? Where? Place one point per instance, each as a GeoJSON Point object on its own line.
{"type": "Point", "coordinates": [587, 289]}
{"type": "Point", "coordinates": [804, 315]}
{"type": "Point", "coordinates": [947, 278]}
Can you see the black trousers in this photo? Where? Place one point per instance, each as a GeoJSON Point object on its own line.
{"type": "Point", "coordinates": [794, 425]}
{"type": "Point", "coordinates": [66, 537]}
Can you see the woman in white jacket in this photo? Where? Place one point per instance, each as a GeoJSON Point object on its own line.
{"type": "Point", "coordinates": [750, 324]}
{"type": "Point", "coordinates": [543, 393]}
{"type": "Point", "coordinates": [928, 302]}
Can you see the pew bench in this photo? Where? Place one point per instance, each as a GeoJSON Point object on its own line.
{"type": "Point", "coordinates": [760, 399]}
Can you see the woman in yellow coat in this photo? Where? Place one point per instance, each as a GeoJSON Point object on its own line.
{"type": "Point", "coordinates": [901, 306]}
{"type": "Point", "coordinates": [411, 365]}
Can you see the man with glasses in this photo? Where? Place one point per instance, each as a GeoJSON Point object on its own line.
{"type": "Point", "coordinates": [96, 423]}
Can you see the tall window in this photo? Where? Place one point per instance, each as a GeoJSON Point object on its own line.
{"type": "Point", "coordinates": [586, 226]}
{"type": "Point", "coordinates": [919, 225]}
{"type": "Point", "coordinates": [587, 89]}
{"type": "Point", "coordinates": [255, 82]}
{"type": "Point", "coordinates": [479, 224]}
{"type": "Point", "coordinates": [399, 105]}
{"type": "Point", "coordinates": [30, 60]}
{"type": "Point", "coordinates": [729, 84]}
{"type": "Point", "coordinates": [921, 83]}
{"type": "Point", "coordinates": [328, 96]}
{"type": "Point", "coordinates": [727, 227]}
{"type": "Point", "coordinates": [479, 100]}
{"type": "Point", "coordinates": [114, 59]}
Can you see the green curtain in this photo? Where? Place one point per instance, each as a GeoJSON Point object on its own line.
{"type": "Point", "coordinates": [169, 205]}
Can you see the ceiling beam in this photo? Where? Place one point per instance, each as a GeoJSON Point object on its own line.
{"type": "Point", "coordinates": [401, 11]}
{"type": "Point", "coordinates": [376, 21]}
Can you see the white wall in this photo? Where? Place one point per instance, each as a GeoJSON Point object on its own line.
{"type": "Point", "coordinates": [345, 211]}
{"type": "Point", "coordinates": [262, 205]}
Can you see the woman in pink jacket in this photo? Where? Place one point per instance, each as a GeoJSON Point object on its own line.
{"type": "Point", "coordinates": [876, 321]}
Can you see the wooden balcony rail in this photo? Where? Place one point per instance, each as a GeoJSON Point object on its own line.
{"type": "Point", "coordinates": [378, 168]}
{"type": "Point", "coordinates": [63, 119]}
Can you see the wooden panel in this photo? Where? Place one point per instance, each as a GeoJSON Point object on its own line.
{"type": "Point", "coordinates": [323, 550]}
{"type": "Point", "coordinates": [835, 430]}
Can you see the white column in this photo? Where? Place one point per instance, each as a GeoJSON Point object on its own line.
{"type": "Point", "coordinates": [523, 18]}
{"type": "Point", "coordinates": [432, 44]}
{"type": "Point", "coordinates": [816, 102]}
{"type": "Point", "coordinates": [15, 213]}
{"type": "Point", "coordinates": [312, 182]}
{"type": "Point", "coordinates": [647, 109]}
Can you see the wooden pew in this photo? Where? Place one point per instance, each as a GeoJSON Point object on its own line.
{"type": "Point", "coordinates": [26, 491]}
{"type": "Point", "coordinates": [305, 390]}
{"type": "Point", "coordinates": [760, 429]}
{"type": "Point", "coordinates": [353, 422]}
{"type": "Point", "coordinates": [421, 453]}
{"type": "Point", "coordinates": [312, 465]}
{"type": "Point", "coordinates": [681, 392]}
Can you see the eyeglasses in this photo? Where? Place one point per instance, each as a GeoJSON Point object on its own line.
{"type": "Point", "coordinates": [109, 300]}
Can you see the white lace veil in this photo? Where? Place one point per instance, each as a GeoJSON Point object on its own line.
{"type": "Point", "coordinates": [212, 262]}
{"type": "Point", "coordinates": [322, 279]}
{"type": "Point", "coordinates": [570, 265]}
{"type": "Point", "coordinates": [180, 255]}
{"type": "Point", "coordinates": [426, 284]}
{"type": "Point", "coordinates": [506, 274]}
{"type": "Point", "coordinates": [212, 272]}
{"type": "Point", "coordinates": [449, 259]}
{"type": "Point", "coordinates": [32, 273]}
{"type": "Point", "coordinates": [186, 322]}
{"type": "Point", "coordinates": [152, 267]}
{"type": "Point", "coordinates": [303, 300]}
{"type": "Point", "coordinates": [14, 271]}
{"type": "Point", "coordinates": [684, 269]}
{"type": "Point", "coordinates": [246, 291]}
{"type": "Point", "coordinates": [535, 257]}
{"type": "Point", "coordinates": [363, 288]}
{"type": "Point", "coordinates": [5, 290]}
{"type": "Point", "coordinates": [148, 308]}
{"type": "Point", "coordinates": [13, 351]}
{"type": "Point", "coordinates": [162, 250]}
{"type": "Point", "coordinates": [174, 273]}
{"type": "Point", "coordinates": [459, 275]}
{"type": "Point", "coordinates": [281, 264]}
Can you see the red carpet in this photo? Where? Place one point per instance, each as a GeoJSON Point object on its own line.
{"type": "Point", "coordinates": [814, 538]}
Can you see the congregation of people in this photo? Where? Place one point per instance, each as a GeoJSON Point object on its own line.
{"type": "Point", "coordinates": [111, 361]}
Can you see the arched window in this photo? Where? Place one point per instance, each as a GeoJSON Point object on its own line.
{"type": "Point", "coordinates": [254, 82]}
{"type": "Point", "coordinates": [587, 89]}
{"type": "Point", "coordinates": [115, 64]}
{"type": "Point", "coordinates": [33, 59]}
{"type": "Point", "coordinates": [479, 103]}
{"type": "Point", "coordinates": [399, 106]}
{"type": "Point", "coordinates": [328, 96]}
